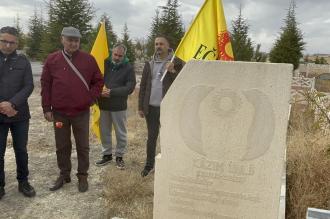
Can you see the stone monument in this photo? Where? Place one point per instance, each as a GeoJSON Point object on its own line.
{"type": "Point", "coordinates": [223, 137]}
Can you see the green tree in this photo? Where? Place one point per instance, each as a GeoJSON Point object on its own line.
{"type": "Point", "coordinates": [323, 61]}
{"type": "Point", "coordinates": [240, 41]}
{"type": "Point", "coordinates": [33, 40]}
{"type": "Point", "coordinates": [154, 31]}
{"type": "Point", "coordinates": [21, 36]}
{"type": "Point", "coordinates": [317, 60]}
{"type": "Point", "coordinates": [171, 24]}
{"type": "Point", "coordinates": [167, 23]}
{"type": "Point", "coordinates": [111, 35]}
{"type": "Point", "coordinates": [289, 46]}
{"type": "Point", "coordinates": [112, 38]}
{"type": "Point", "coordinates": [130, 53]}
{"type": "Point", "coordinates": [259, 56]}
{"type": "Point", "coordinates": [76, 13]}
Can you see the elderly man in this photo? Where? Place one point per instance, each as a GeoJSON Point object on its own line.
{"type": "Point", "coordinates": [71, 82]}
{"type": "Point", "coordinates": [119, 80]}
{"type": "Point", "coordinates": [152, 90]}
{"type": "Point", "coordinates": [16, 85]}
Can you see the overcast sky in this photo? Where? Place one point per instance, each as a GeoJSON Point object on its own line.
{"type": "Point", "coordinates": [265, 17]}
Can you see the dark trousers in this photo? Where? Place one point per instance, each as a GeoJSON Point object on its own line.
{"type": "Point", "coordinates": [153, 123]}
{"type": "Point", "coordinates": [19, 132]}
{"type": "Point", "coordinates": [80, 129]}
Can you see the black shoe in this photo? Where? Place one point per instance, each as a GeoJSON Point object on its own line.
{"type": "Point", "coordinates": [26, 189]}
{"type": "Point", "coordinates": [82, 183]}
{"type": "Point", "coordinates": [120, 164]}
{"type": "Point", "coordinates": [2, 192]}
{"type": "Point", "coordinates": [60, 182]}
{"type": "Point", "coordinates": [105, 160]}
{"type": "Point", "coordinates": [146, 171]}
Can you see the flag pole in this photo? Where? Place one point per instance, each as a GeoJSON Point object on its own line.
{"type": "Point", "coordinates": [166, 69]}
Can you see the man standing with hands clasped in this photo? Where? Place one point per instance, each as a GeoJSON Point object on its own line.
{"type": "Point", "coordinates": [16, 85]}
{"type": "Point", "coordinates": [119, 81]}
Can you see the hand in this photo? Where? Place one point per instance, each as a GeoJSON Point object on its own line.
{"type": "Point", "coordinates": [49, 116]}
{"type": "Point", "coordinates": [170, 67]}
{"type": "Point", "coordinates": [12, 113]}
{"type": "Point", "coordinates": [105, 92]}
{"type": "Point", "coordinates": [141, 114]}
{"type": "Point", "coordinates": [7, 109]}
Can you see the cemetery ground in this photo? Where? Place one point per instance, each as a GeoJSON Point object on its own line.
{"type": "Point", "coordinates": [124, 194]}
{"type": "Point", "coordinates": [112, 192]}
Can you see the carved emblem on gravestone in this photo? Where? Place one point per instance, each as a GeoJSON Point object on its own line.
{"type": "Point", "coordinates": [227, 103]}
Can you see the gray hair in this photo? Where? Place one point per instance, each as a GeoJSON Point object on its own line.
{"type": "Point", "coordinates": [122, 46]}
{"type": "Point", "coordinates": [9, 30]}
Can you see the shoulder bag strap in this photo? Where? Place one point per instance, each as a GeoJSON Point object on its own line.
{"type": "Point", "coordinates": [75, 70]}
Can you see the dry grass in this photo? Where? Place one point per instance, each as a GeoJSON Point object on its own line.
{"type": "Point", "coordinates": [308, 172]}
{"type": "Point", "coordinates": [127, 194]}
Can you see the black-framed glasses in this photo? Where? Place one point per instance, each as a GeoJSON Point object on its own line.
{"type": "Point", "coordinates": [11, 43]}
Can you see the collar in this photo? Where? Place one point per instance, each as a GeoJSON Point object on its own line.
{"type": "Point", "coordinates": [70, 56]}
{"type": "Point", "coordinates": [11, 55]}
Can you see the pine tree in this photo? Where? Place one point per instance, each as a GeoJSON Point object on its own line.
{"type": "Point", "coordinates": [21, 37]}
{"type": "Point", "coordinates": [33, 41]}
{"type": "Point", "coordinates": [168, 23]}
{"type": "Point", "coordinates": [130, 53]}
{"type": "Point", "coordinates": [259, 56]}
{"type": "Point", "coordinates": [323, 61]}
{"type": "Point", "coordinates": [112, 37]}
{"type": "Point", "coordinates": [317, 60]}
{"type": "Point", "coordinates": [154, 31]}
{"type": "Point", "coordinates": [240, 41]}
{"type": "Point", "coordinates": [289, 46]}
{"type": "Point", "coordinates": [62, 13]}
{"type": "Point", "coordinates": [171, 24]}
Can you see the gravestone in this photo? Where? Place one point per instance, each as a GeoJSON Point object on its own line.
{"type": "Point", "coordinates": [223, 137]}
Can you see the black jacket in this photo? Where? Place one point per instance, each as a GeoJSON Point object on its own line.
{"type": "Point", "coordinates": [145, 85]}
{"type": "Point", "coordinates": [121, 81]}
{"type": "Point", "coordinates": [16, 85]}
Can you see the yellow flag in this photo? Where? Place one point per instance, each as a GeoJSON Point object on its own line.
{"type": "Point", "coordinates": [207, 37]}
{"type": "Point", "coordinates": [100, 51]}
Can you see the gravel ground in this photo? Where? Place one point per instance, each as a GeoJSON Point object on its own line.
{"type": "Point", "coordinates": [64, 203]}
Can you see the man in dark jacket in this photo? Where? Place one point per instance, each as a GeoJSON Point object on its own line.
{"type": "Point", "coordinates": [16, 85]}
{"type": "Point", "coordinates": [152, 90]}
{"type": "Point", "coordinates": [70, 83]}
{"type": "Point", "coordinates": [119, 81]}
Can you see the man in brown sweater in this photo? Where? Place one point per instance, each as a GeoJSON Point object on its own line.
{"type": "Point", "coordinates": [152, 90]}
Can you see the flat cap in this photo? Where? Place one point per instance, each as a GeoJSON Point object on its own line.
{"type": "Point", "coordinates": [71, 32]}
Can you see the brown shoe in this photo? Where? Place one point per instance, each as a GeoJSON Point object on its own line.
{"type": "Point", "coordinates": [82, 183]}
{"type": "Point", "coordinates": [60, 182]}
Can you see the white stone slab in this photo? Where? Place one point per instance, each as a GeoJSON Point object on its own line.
{"type": "Point", "coordinates": [223, 136]}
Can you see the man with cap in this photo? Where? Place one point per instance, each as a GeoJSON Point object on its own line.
{"type": "Point", "coordinates": [16, 85]}
{"type": "Point", "coordinates": [70, 83]}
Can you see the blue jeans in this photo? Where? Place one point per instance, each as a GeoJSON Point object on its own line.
{"type": "Point", "coordinates": [19, 132]}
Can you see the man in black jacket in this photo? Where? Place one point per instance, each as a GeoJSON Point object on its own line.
{"type": "Point", "coordinates": [152, 91]}
{"type": "Point", "coordinates": [16, 85]}
{"type": "Point", "coordinates": [119, 82]}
